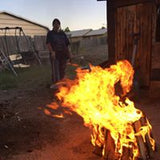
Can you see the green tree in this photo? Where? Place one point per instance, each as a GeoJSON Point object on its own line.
{"type": "Point", "coordinates": [67, 29]}
{"type": "Point", "coordinates": [102, 27]}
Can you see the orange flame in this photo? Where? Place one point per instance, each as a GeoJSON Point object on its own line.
{"type": "Point", "coordinates": [93, 96]}
{"type": "Point", "coordinates": [53, 105]}
{"type": "Point", "coordinates": [58, 116]}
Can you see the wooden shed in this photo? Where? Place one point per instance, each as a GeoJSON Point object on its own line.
{"type": "Point", "coordinates": [30, 28]}
{"type": "Point", "coordinates": [127, 18]}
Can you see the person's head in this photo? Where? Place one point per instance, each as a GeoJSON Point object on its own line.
{"type": "Point", "coordinates": [56, 24]}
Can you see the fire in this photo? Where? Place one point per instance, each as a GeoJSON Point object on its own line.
{"type": "Point", "coordinates": [94, 97]}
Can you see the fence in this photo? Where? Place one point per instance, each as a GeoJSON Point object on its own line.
{"type": "Point", "coordinates": [40, 46]}
{"type": "Point", "coordinates": [26, 45]}
{"type": "Point", "coordinates": [87, 43]}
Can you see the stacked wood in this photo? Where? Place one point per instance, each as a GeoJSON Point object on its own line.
{"type": "Point", "coordinates": [148, 145]}
{"type": "Point", "coordinates": [145, 148]}
{"type": "Point", "coordinates": [109, 148]}
{"type": "Point", "coordinates": [142, 148]}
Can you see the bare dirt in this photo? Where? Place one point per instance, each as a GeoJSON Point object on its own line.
{"type": "Point", "coordinates": [26, 133]}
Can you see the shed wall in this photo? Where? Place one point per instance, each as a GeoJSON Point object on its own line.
{"type": "Point", "coordinates": [29, 29]}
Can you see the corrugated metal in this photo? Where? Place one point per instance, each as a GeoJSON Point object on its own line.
{"type": "Point", "coordinates": [24, 19]}
{"type": "Point", "coordinates": [30, 28]}
{"type": "Point", "coordinates": [78, 33]}
{"type": "Point", "coordinates": [96, 32]}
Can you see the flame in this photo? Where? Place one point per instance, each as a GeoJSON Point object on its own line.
{"type": "Point", "coordinates": [93, 96]}
{"type": "Point", "coordinates": [53, 105]}
{"type": "Point", "coordinates": [47, 112]}
{"type": "Point", "coordinates": [73, 64]}
{"type": "Point", "coordinates": [58, 115]}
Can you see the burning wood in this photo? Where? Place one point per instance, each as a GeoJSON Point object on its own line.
{"type": "Point", "coordinates": [116, 124]}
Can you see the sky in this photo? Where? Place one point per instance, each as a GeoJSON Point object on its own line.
{"type": "Point", "coordinates": [75, 14]}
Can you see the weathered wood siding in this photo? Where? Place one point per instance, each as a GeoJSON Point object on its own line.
{"type": "Point", "coordinates": [29, 29]}
{"type": "Point", "coordinates": [122, 3]}
{"type": "Point", "coordinates": [76, 39]}
{"type": "Point", "coordinates": [129, 20]}
{"type": "Point", "coordinates": [155, 45]}
{"type": "Point", "coordinates": [11, 44]}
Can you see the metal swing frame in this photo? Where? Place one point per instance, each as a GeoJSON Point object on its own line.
{"type": "Point", "coordinates": [4, 56]}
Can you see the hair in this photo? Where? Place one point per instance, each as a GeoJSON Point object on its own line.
{"type": "Point", "coordinates": [56, 21]}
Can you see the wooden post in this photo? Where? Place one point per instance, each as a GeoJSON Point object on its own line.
{"type": "Point", "coordinates": [109, 148]}
{"type": "Point", "coordinates": [127, 153]}
{"type": "Point", "coordinates": [145, 149]}
{"type": "Point", "coordinates": [147, 143]}
{"type": "Point", "coordinates": [97, 149]}
{"type": "Point", "coordinates": [140, 142]}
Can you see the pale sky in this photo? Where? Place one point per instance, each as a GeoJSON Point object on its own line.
{"type": "Point", "coordinates": [75, 14]}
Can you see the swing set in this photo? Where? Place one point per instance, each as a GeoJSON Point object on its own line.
{"type": "Point", "coordinates": [12, 45]}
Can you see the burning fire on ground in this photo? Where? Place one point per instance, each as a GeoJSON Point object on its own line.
{"type": "Point", "coordinates": [92, 95]}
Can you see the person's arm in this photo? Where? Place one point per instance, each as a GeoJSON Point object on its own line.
{"type": "Point", "coordinates": [51, 50]}
{"type": "Point", "coordinates": [49, 46]}
{"type": "Point", "coordinates": [67, 44]}
{"type": "Point", "coordinates": [69, 54]}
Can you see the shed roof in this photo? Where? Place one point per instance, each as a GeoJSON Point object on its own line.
{"type": "Point", "coordinates": [78, 33]}
{"type": "Point", "coordinates": [21, 18]}
{"type": "Point", "coordinates": [96, 32]}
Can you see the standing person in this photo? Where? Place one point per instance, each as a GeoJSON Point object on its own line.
{"type": "Point", "coordinates": [57, 43]}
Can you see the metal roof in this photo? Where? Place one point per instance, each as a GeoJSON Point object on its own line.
{"type": "Point", "coordinates": [78, 33]}
{"type": "Point", "coordinates": [96, 32]}
{"type": "Point", "coordinates": [24, 19]}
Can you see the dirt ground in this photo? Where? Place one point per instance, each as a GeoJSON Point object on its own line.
{"type": "Point", "coordinates": [26, 133]}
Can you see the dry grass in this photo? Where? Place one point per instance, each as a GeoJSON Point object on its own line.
{"type": "Point", "coordinates": [39, 75]}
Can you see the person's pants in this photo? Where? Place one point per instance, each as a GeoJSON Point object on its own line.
{"type": "Point", "coordinates": [58, 69]}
